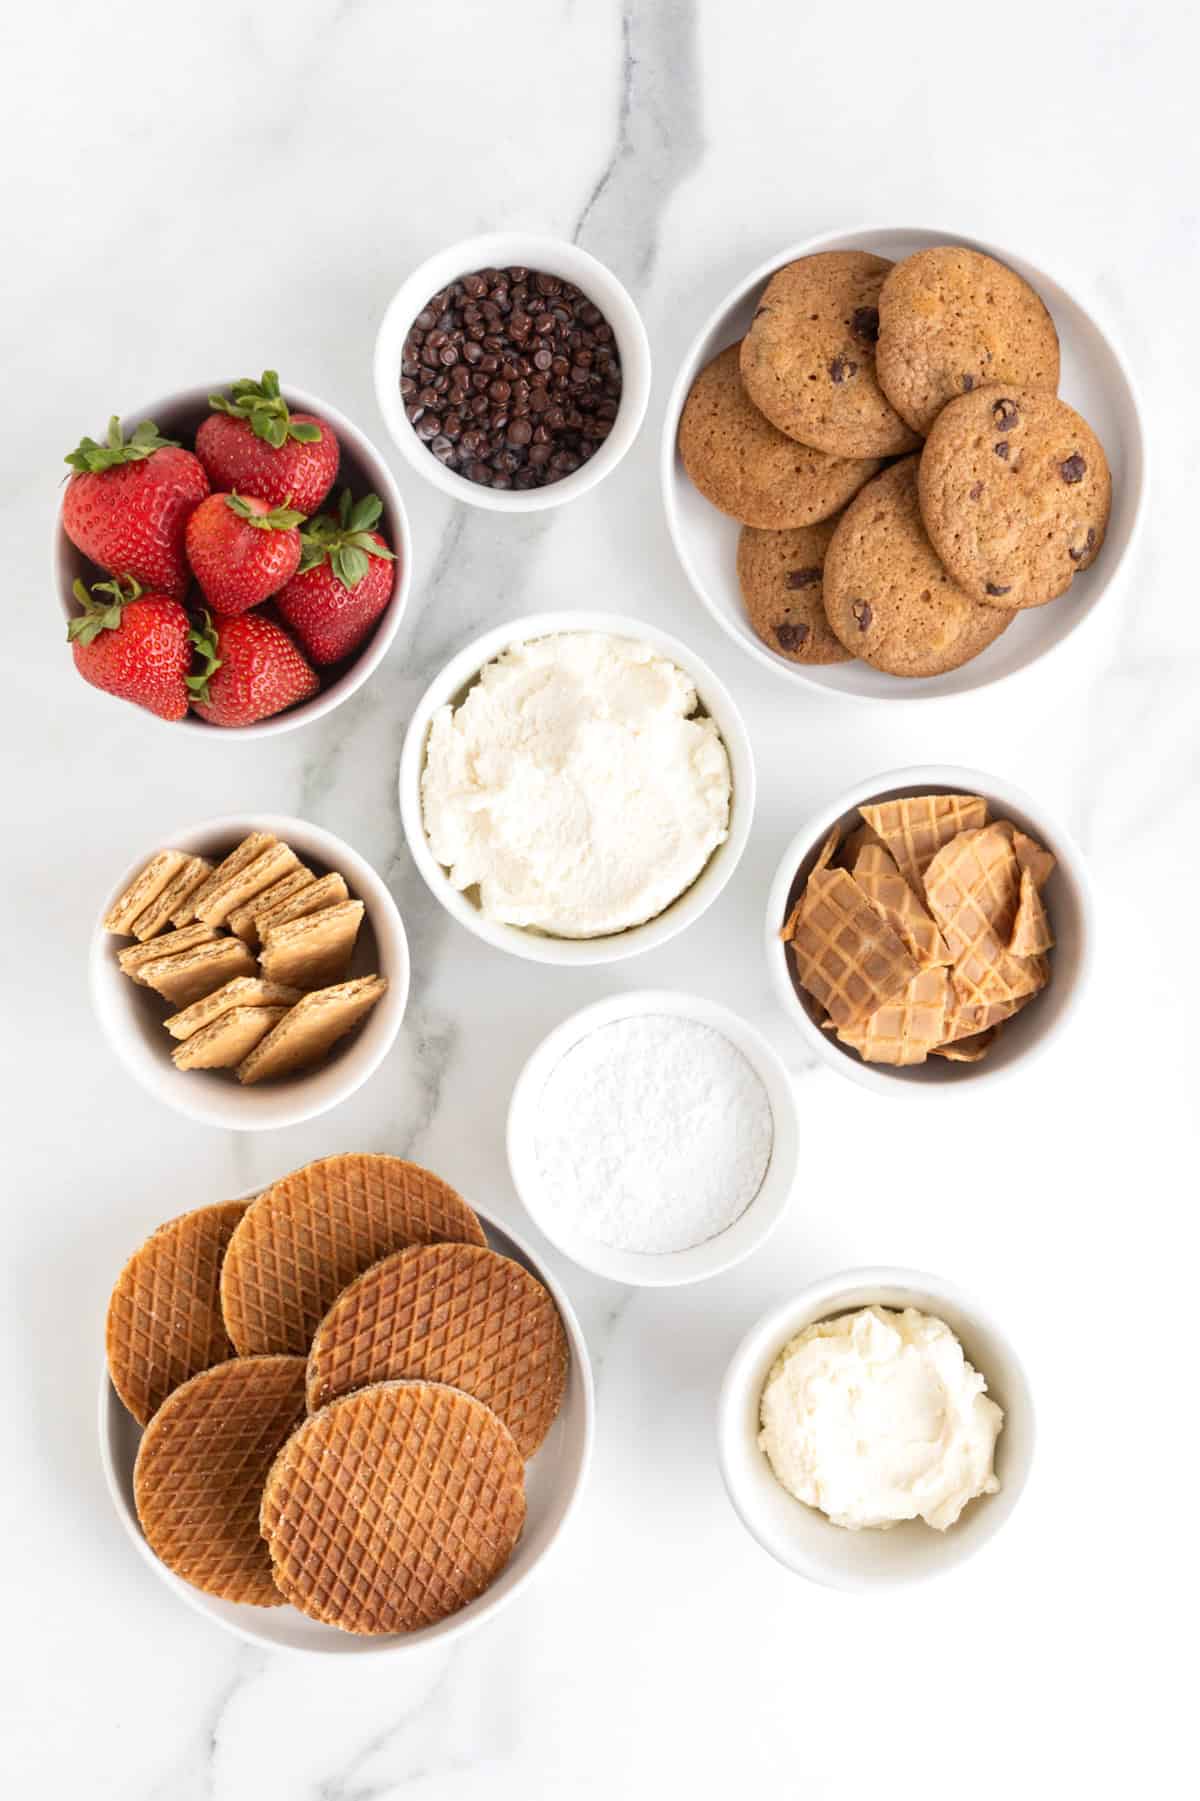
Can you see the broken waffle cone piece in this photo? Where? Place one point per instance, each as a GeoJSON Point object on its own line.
{"type": "Point", "coordinates": [453, 1313]}
{"type": "Point", "coordinates": [393, 1507]}
{"type": "Point", "coordinates": [243, 991]}
{"type": "Point", "coordinates": [310, 1028]}
{"type": "Point", "coordinates": [144, 889]}
{"type": "Point", "coordinates": [847, 956]}
{"type": "Point", "coordinates": [313, 1232]}
{"type": "Point", "coordinates": [200, 1470]}
{"type": "Point", "coordinates": [889, 893]}
{"type": "Point", "coordinates": [1030, 854]}
{"type": "Point", "coordinates": [968, 1050]}
{"type": "Point", "coordinates": [904, 1031]}
{"type": "Point", "coordinates": [164, 1316]}
{"type": "Point", "coordinates": [228, 1039]}
{"type": "Point", "coordinates": [972, 886]}
{"type": "Point", "coordinates": [828, 850]}
{"type": "Point", "coordinates": [915, 829]}
{"type": "Point", "coordinates": [189, 975]}
{"type": "Point", "coordinates": [185, 882]}
{"type": "Point", "coordinates": [313, 951]}
{"type": "Point", "coordinates": [134, 958]}
{"type": "Point", "coordinates": [1031, 934]}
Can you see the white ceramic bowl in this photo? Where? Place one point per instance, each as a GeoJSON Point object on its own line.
{"type": "Point", "coordinates": [1095, 380]}
{"type": "Point", "coordinates": [801, 1537]}
{"type": "Point", "coordinates": [452, 685]}
{"type": "Point", "coordinates": [668, 1269]}
{"type": "Point", "coordinates": [362, 468]}
{"type": "Point", "coordinates": [549, 256]}
{"type": "Point", "coordinates": [1069, 902]}
{"type": "Point", "coordinates": [131, 1016]}
{"type": "Point", "coordinates": [554, 1480]}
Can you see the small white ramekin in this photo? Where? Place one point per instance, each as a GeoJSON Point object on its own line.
{"type": "Point", "coordinates": [452, 686]}
{"type": "Point", "coordinates": [554, 1482]}
{"type": "Point", "coordinates": [801, 1537]}
{"type": "Point", "coordinates": [1069, 903]}
{"type": "Point", "coordinates": [1096, 380]}
{"type": "Point", "coordinates": [548, 256]}
{"type": "Point", "coordinates": [666, 1269]}
{"type": "Point", "coordinates": [131, 1017]}
{"type": "Point", "coordinates": [361, 469]}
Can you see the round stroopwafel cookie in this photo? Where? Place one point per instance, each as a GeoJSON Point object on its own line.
{"type": "Point", "coordinates": [393, 1507]}
{"type": "Point", "coordinates": [164, 1318]}
{"type": "Point", "coordinates": [310, 1234]}
{"type": "Point", "coordinates": [200, 1470]}
{"type": "Point", "coordinates": [448, 1313]}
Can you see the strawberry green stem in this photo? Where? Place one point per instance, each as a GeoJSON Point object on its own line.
{"type": "Point", "coordinates": [344, 539]}
{"type": "Point", "coordinates": [101, 615]}
{"type": "Point", "coordinates": [279, 519]}
{"type": "Point", "coordinates": [92, 458]}
{"type": "Point", "coordinates": [204, 640]}
{"type": "Point", "coordinates": [266, 411]}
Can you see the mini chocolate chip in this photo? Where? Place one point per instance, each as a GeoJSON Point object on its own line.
{"type": "Point", "coordinates": [968, 382]}
{"type": "Point", "coordinates": [790, 637]}
{"type": "Point", "coordinates": [975, 491]}
{"type": "Point", "coordinates": [1077, 556]}
{"type": "Point", "coordinates": [802, 578]}
{"type": "Point", "coordinates": [865, 324]}
{"type": "Point", "coordinates": [1001, 450]}
{"type": "Point", "coordinates": [841, 369]}
{"type": "Point", "coordinates": [862, 612]}
{"type": "Point", "coordinates": [993, 589]}
{"type": "Point", "coordinates": [1005, 414]}
{"type": "Point", "coordinates": [1073, 470]}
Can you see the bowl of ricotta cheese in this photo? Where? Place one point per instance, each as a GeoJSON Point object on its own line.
{"type": "Point", "coordinates": [875, 1430]}
{"type": "Point", "coordinates": [576, 788]}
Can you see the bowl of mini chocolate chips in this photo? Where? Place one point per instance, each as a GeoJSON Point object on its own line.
{"type": "Point", "coordinates": [512, 371]}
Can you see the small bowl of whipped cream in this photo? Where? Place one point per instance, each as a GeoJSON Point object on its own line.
{"type": "Point", "coordinates": [877, 1429]}
{"type": "Point", "coordinates": [576, 788]}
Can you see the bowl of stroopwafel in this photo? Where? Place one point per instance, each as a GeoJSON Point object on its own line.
{"type": "Point", "coordinates": [347, 1413]}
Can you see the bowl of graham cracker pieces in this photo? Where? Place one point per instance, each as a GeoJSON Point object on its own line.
{"type": "Point", "coordinates": [250, 972]}
{"type": "Point", "coordinates": [930, 928]}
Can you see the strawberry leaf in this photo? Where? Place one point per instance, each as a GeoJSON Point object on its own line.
{"type": "Point", "coordinates": [279, 519]}
{"type": "Point", "coordinates": [349, 564]}
{"type": "Point", "coordinates": [101, 615]}
{"type": "Point", "coordinates": [344, 539]}
{"type": "Point", "coordinates": [92, 458]}
{"type": "Point", "coordinates": [265, 410]}
{"type": "Point", "coordinates": [204, 641]}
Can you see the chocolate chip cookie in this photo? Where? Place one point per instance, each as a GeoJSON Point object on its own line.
{"type": "Point", "coordinates": [1015, 494]}
{"type": "Point", "coordinates": [888, 598]}
{"type": "Point", "coordinates": [781, 579]}
{"type": "Point", "coordinates": [747, 468]}
{"type": "Point", "coordinates": [951, 319]}
{"type": "Point", "coordinates": [808, 360]}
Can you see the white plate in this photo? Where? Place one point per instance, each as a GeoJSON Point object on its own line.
{"type": "Point", "coordinates": [554, 1480]}
{"type": "Point", "coordinates": [1095, 381]}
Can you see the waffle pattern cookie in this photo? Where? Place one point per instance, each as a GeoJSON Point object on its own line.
{"type": "Point", "coordinates": [164, 1318]}
{"type": "Point", "coordinates": [847, 956]}
{"type": "Point", "coordinates": [451, 1313]}
{"type": "Point", "coordinates": [200, 1470]}
{"type": "Point", "coordinates": [393, 1507]}
{"type": "Point", "coordinates": [915, 829]}
{"type": "Point", "coordinates": [309, 1235]}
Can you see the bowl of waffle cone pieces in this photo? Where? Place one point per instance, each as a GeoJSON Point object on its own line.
{"type": "Point", "coordinates": [250, 972]}
{"type": "Point", "coordinates": [930, 928]}
{"type": "Point", "coordinates": [348, 1413]}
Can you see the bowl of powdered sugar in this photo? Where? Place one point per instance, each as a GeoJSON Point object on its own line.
{"type": "Point", "coordinates": [653, 1137]}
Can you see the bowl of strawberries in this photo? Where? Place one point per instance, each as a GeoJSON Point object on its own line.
{"type": "Point", "coordinates": [234, 557]}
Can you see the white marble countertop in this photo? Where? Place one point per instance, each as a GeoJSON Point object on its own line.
{"type": "Point", "coordinates": [207, 191]}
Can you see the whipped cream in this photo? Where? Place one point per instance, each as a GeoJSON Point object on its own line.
{"type": "Point", "coordinates": [877, 1417]}
{"type": "Point", "coordinates": [576, 787]}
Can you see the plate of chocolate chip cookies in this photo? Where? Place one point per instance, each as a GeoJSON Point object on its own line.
{"type": "Point", "coordinates": [899, 464]}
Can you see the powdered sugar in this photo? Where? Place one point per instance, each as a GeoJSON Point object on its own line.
{"type": "Point", "coordinates": [652, 1134]}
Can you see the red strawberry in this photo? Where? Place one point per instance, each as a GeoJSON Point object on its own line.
{"type": "Point", "coordinates": [128, 504]}
{"type": "Point", "coordinates": [345, 580]}
{"type": "Point", "coordinates": [253, 444]}
{"type": "Point", "coordinates": [242, 550]}
{"type": "Point", "coordinates": [252, 671]}
{"type": "Point", "coordinates": [133, 645]}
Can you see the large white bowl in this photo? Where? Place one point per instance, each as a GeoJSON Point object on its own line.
{"type": "Point", "coordinates": [667, 1269]}
{"type": "Point", "coordinates": [1069, 902]}
{"type": "Point", "coordinates": [801, 1537]}
{"type": "Point", "coordinates": [131, 1016]}
{"type": "Point", "coordinates": [452, 686]}
{"type": "Point", "coordinates": [554, 1480]}
{"type": "Point", "coordinates": [1095, 380]}
{"type": "Point", "coordinates": [550, 256]}
{"type": "Point", "coordinates": [362, 469]}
